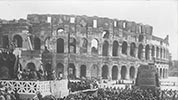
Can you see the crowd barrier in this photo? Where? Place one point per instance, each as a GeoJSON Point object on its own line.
{"type": "Point", "coordinates": [57, 88]}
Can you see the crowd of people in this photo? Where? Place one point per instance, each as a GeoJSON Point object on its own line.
{"type": "Point", "coordinates": [81, 85]}
{"type": "Point", "coordinates": [125, 94]}
{"type": "Point", "coordinates": [8, 94]}
{"type": "Point", "coordinates": [7, 61]}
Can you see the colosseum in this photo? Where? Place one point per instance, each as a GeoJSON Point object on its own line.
{"type": "Point", "coordinates": [81, 46]}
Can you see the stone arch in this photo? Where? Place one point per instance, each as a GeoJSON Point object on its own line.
{"type": "Point", "coordinates": [153, 51]}
{"type": "Point", "coordinates": [59, 31]}
{"type": "Point", "coordinates": [140, 51]}
{"type": "Point", "coordinates": [123, 72]}
{"type": "Point", "coordinates": [94, 46]}
{"type": "Point", "coordinates": [157, 52]}
{"type": "Point", "coordinates": [72, 45]}
{"type": "Point", "coordinates": [60, 45]}
{"type": "Point", "coordinates": [31, 66]}
{"type": "Point", "coordinates": [132, 49]}
{"type": "Point", "coordinates": [147, 52]}
{"type": "Point", "coordinates": [124, 48]}
{"type": "Point", "coordinates": [37, 43]}
{"type": "Point", "coordinates": [105, 72]}
{"type": "Point", "coordinates": [105, 34]}
{"type": "Point", "coordinates": [83, 70]}
{"type": "Point", "coordinates": [71, 71]}
{"type": "Point", "coordinates": [114, 73]}
{"type": "Point", "coordinates": [132, 72]}
{"type": "Point", "coordinates": [18, 40]}
{"type": "Point", "coordinates": [60, 70]}
{"type": "Point", "coordinates": [115, 48]}
{"type": "Point", "coordinates": [84, 45]}
{"type": "Point", "coordinates": [94, 71]}
{"type": "Point", "coordinates": [105, 49]}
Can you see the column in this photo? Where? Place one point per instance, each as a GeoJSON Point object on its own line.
{"type": "Point", "coordinates": [136, 52]}
{"type": "Point", "coordinates": [128, 72]}
{"type": "Point", "coordinates": [65, 70]}
{"type": "Point", "coordinates": [77, 70]}
{"type": "Point", "coordinates": [109, 72]}
{"type": "Point", "coordinates": [119, 48]}
{"type": "Point", "coordinates": [150, 52]}
{"type": "Point", "coordinates": [143, 53]}
{"type": "Point", "coordinates": [128, 49]}
{"type": "Point", "coordinates": [119, 72]}
{"type": "Point", "coordinates": [110, 49]}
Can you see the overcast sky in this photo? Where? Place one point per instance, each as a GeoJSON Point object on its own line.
{"type": "Point", "coordinates": [162, 15]}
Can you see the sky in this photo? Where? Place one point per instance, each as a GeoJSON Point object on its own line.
{"type": "Point", "coordinates": [161, 14]}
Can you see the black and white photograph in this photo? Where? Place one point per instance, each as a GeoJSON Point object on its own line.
{"type": "Point", "coordinates": [89, 50]}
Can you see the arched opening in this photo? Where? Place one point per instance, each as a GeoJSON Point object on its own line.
{"type": "Point", "coordinates": [114, 73]}
{"type": "Point", "coordinates": [72, 45]}
{"type": "Point", "coordinates": [84, 45]}
{"type": "Point", "coordinates": [123, 72]}
{"type": "Point", "coordinates": [105, 72]}
{"type": "Point", "coordinates": [18, 40]}
{"type": "Point", "coordinates": [83, 69]}
{"type": "Point", "coordinates": [161, 53]}
{"type": "Point", "coordinates": [132, 72]}
{"type": "Point", "coordinates": [71, 71]}
{"type": "Point", "coordinates": [105, 34]}
{"type": "Point", "coordinates": [94, 71]}
{"type": "Point", "coordinates": [94, 46]}
{"type": "Point", "coordinates": [132, 49]}
{"type": "Point", "coordinates": [115, 48]}
{"type": "Point", "coordinates": [153, 51]}
{"type": "Point", "coordinates": [140, 38]}
{"type": "Point", "coordinates": [37, 43]}
{"type": "Point", "coordinates": [164, 71]}
{"type": "Point", "coordinates": [140, 51]}
{"type": "Point", "coordinates": [164, 54]}
{"type": "Point", "coordinates": [60, 45]}
{"type": "Point", "coordinates": [31, 66]}
{"type": "Point", "coordinates": [105, 48]}
{"type": "Point", "coordinates": [5, 40]}
{"type": "Point", "coordinates": [161, 72]}
{"type": "Point", "coordinates": [60, 31]}
{"type": "Point", "coordinates": [157, 52]}
{"type": "Point", "coordinates": [60, 70]}
{"type": "Point", "coordinates": [124, 48]}
{"type": "Point", "coordinates": [147, 52]}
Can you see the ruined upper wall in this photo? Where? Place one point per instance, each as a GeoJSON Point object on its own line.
{"type": "Point", "coordinates": [94, 22]}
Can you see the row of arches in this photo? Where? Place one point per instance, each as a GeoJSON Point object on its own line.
{"type": "Point", "coordinates": [94, 73]}
{"type": "Point", "coordinates": [140, 52]}
{"type": "Point", "coordinates": [115, 71]}
{"type": "Point", "coordinates": [162, 72]}
{"type": "Point", "coordinates": [18, 41]}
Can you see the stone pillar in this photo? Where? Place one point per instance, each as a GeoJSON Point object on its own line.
{"type": "Point", "coordinates": [154, 53]}
{"type": "Point", "coordinates": [119, 48]}
{"type": "Point", "coordinates": [65, 70]}
{"type": "Point", "coordinates": [128, 72]}
{"type": "Point", "coordinates": [143, 53]}
{"type": "Point", "coordinates": [88, 70]}
{"type": "Point", "coordinates": [136, 71]}
{"type": "Point", "coordinates": [109, 72]}
{"type": "Point", "coordinates": [54, 61]}
{"type": "Point", "coordinates": [77, 70]}
{"type": "Point", "coordinates": [119, 72]}
{"type": "Point", "coordinates": [100, 71]}
{"type": "Point", "coordinates": [100, 49]}
{"type": "Point", "coordinates": [128, 49]}
{"type": "Point", "coordinates": [110, 49]}
{"type": "Point", "coordinates": [150, 57]}
{"type": "Point", "coordinates": [136, 52]}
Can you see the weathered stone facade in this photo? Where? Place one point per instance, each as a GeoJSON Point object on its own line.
{"type": "Point", "coordinates": [82, 46]}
